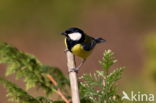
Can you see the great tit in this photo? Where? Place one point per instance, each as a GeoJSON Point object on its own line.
{"type": "Point", "coordinates": [80, 44]}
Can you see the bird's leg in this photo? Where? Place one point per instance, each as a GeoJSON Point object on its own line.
{"type": "Point", "coordinates": [82, 62]}
{"type": "Point", "coordinates": [78, 67]}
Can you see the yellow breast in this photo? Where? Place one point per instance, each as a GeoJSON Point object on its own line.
{"type": "Point", "coordinates": [79, 51]}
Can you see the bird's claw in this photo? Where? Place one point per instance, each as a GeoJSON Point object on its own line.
{"type": "Point", "coordinates": [74, 70]}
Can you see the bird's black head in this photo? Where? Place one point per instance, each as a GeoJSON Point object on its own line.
{"type": "Point", "coordinates": [74, 34]}
{"type": "Point", "coordinates": [73, 30]}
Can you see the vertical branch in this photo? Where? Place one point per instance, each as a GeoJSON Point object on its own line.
{"type": "Point", "coordinates": [73, 78]}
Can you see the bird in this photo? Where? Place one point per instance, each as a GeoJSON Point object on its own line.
{"type": "Point", "coordinates": [80, 44]}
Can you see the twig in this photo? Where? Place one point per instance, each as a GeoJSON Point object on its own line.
{"type": "Point", "coordinates": [73, 78]}
{"type": "Point", "coordinates": [58, 90]}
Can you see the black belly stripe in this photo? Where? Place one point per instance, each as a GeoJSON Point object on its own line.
{"type": "Point", "coordinates": [70, 44]}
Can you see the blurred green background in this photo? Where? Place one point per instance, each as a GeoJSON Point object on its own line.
{"type": "Point", "coordinates": [129, 26]}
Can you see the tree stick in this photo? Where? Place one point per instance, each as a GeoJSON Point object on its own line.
{"type": "Point", "coordinates": [73, 78]}
{"type": "Point", "coordinates": [58, 90]}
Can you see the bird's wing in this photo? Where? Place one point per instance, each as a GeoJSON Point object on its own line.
{"type": "Point", "coordinates": [89, 43]}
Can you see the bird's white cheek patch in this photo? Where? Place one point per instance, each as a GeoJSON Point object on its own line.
{"type": "Point", "coordinates": [75, 36]}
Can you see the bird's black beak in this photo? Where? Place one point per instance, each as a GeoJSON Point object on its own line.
{"type": "Point", "coordinates": [63, 33]}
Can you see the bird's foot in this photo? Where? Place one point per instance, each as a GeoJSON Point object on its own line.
{"type": "Point", "coordinates": [74, 70]}
{"type": "Point", "coordinates": [66, 50]}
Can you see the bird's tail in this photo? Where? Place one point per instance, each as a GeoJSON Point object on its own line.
{"type": "Point", "coordinates": [99, 40]}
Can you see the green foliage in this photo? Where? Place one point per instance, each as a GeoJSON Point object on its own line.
{"type": "Point", "coordinates": [44, 100]}
{"type": "Point", "coordinates": [27, 67]}
{"type": "Point", "coordinates": [108, 60]}
{"type": "Point", "coordinates": [17, 94]}
{"type": "Point", "coordinates": [100, 87]}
